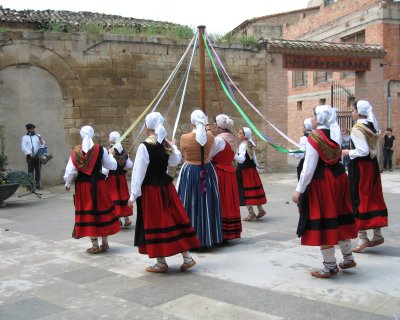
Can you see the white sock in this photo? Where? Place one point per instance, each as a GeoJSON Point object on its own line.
{"type": "Point", "coordinates": [250, 209]}
{"type": "Point", "coordinates": [95, 241]}
{"type": "Point", "coordinates": [345, 247]}
{"type": "Point", "coordinates": [161, 262]}
{"type": "Point", "coordinates": [377, 235]}
{"type": "Point", "coordinates": [329, 259]}
{"type": "Point", "coordinates": [186, 257]}
{"type": "Point", "coordinates": [104, 240]}
{"type": "Point", "coordinates": [362, 237]}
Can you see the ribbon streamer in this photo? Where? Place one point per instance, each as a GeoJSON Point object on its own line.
{"type": "Point", "coordinates": [242, 113]}
{"type": "Point", "coordinates": [252, 106]}
{"type": "Point", "coordinates": [172, 75]}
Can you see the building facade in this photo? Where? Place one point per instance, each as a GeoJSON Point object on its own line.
{"type": "Point", "coordinates": [371, 22]}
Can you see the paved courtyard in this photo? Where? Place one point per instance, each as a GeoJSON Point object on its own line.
{"type": "Point", "coordinates": [45, 274]}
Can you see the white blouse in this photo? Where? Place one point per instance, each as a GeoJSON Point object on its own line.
{"type": "Point", "coordinates": [240, 156]}
{"type": "Point", "coordinates": [302, 146]}
{"type": "Point", "coordinates": [310, 164]}
{"type": "Point", "coordinates": [218, 146]}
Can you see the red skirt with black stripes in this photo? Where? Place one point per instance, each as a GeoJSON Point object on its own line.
{"type": "Point", "coordinates": [371, 212]}
{"type": "Point", "coordinates": [119, 194]}
{"type": "Point", "coordinates": [163, 227]}
{"type": "Point", "coordinates": [252, 190]}
{"type": "Point", "coordinates": [94, 219]}
{"type": "Point", "coordinates": [330, 218]}
{"type": "Point", "coordinates": [229, 199]}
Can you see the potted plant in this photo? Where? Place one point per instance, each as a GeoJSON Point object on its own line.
{"type": "Point", "coordinates": [10, 180]}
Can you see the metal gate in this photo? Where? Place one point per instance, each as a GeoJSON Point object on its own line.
{"type": "Point", "coordinates": [342, 100]}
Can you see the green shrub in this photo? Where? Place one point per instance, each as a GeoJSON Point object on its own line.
{"type": "Point", "coordinates": [24, 179]}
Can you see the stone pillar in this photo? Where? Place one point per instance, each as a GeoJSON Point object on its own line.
{"type": "Point", "coordinates": [276, 110]}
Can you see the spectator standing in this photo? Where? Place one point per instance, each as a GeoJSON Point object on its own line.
{"type": "Point", "coordinates": [388, 150]}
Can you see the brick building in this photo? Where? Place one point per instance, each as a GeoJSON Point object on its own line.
{"type": "Point", "coordinates": [373, 22]}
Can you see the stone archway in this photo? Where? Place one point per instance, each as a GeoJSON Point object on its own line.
{"type": "Point", "coordinates": [36, 86]}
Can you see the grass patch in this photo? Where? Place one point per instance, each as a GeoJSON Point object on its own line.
{"type": "Point", "coordinates": [92, 27]}
{"type": "Point", "coordinates": [154, 29]}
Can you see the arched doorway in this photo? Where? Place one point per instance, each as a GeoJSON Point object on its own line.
{"type": "Point", "coordinates": [32, 95]}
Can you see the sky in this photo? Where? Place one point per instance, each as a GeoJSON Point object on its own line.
{"type": "Point", "coordinates": [219, 16]}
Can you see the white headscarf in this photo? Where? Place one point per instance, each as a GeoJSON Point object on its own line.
{"type": "Point", "coordinates": [155, 121]}
{"type": "Point", "coordinates": [364, 108]}
{"type": "Point", "coordinates": [223, 121]}
{"type": "Point", "coordinates": [326, 116]}
{"type": "Point", "coordinates": [87, 134]}
{"type": "Point", "coordinates": [247, 134]}
{"type": "Point", "coordinates": [114, 138]}
{"type": "Point", "coordinates": [199, 119]}
{"type": "Point", "coordinates": [307, 124]}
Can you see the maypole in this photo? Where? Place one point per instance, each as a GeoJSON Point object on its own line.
{"type": "Point", "coordinates": [202, 65]}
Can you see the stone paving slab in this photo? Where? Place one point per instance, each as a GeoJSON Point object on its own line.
{"type": "Point", "coordinates": [45, 274]}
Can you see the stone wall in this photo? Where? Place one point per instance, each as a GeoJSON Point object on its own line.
{"type": "Point", "coordinates": [107, 80]}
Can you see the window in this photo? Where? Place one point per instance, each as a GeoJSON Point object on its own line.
{"type": "Point", "coordinates": [299, 78]}
{"type": "Point", "coordinates": [358, 37]}
{"type": "Point", "coordinates": [299, 105]}
{"type": "Point", "coordinates": [322, 76]}
{"type": "Point", "coordinates": [329, 2]}
{"type": "Point", "coordinates": [347, 74]}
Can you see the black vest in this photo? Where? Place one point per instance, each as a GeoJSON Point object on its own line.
{"type": "Point", "coordinates": [157, 170]}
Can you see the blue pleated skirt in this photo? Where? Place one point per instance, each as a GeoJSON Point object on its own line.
{"type": "Point", "coordinates": [200, 198]}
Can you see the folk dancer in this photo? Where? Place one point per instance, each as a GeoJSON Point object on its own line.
{"type": "Point", "coordinates": [222, 154]}
{"type": "Point", "coordinates": [94, 211]}
{"type": "Point", "coordinates": [116, 180]}
{"type": "Point", "coordinates": [251, 190]}
{"type": "Point", "coordinates": [323, 195]}
{"type": "Point", "coordinates": [197, 183]}
{"type": "Point", "coordinates": [162, 226]}
{"type": "Point", "coordinates": [365, 179]}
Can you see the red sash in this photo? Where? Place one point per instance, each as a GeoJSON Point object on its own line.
{"type": "Point", "coordinates": [329, 151]}
{"type": "Point", "coordinates": [85, 162]}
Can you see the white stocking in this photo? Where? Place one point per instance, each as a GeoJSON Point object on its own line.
{"type": "Point", "coordinates": [95, 242]}
{"type": "Point", "coordinates": [345, 247]}
{"type": "Point", "coordinates": [377, 235]}
{"type": "Point", "coordinates": [329, 259]}
{"type": "Point", "coordinates": [186, 257]}
{"type": "Point", "coordinates": [362, 237]}
{"type": "Point", "coordinates": [161, 262]}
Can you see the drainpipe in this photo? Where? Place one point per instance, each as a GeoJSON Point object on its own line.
{"type": "Point", "coordinates": [388, 102]}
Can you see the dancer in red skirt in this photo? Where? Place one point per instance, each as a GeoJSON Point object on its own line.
{"type": "Point", "coordinates": [251, 190]}
{"type": "Point", "coordinates": [366, 188]}
{"type": "Point", "coordinates": [116, 180]}
{"type": "Point", "coordinates": [162, 227]}
{"type": "Point", "coordinates": [222, 154]}
{"type": "Point", "coordinates": [323, 195]}
{"type": "Point", "coordinates": [94, 211]}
